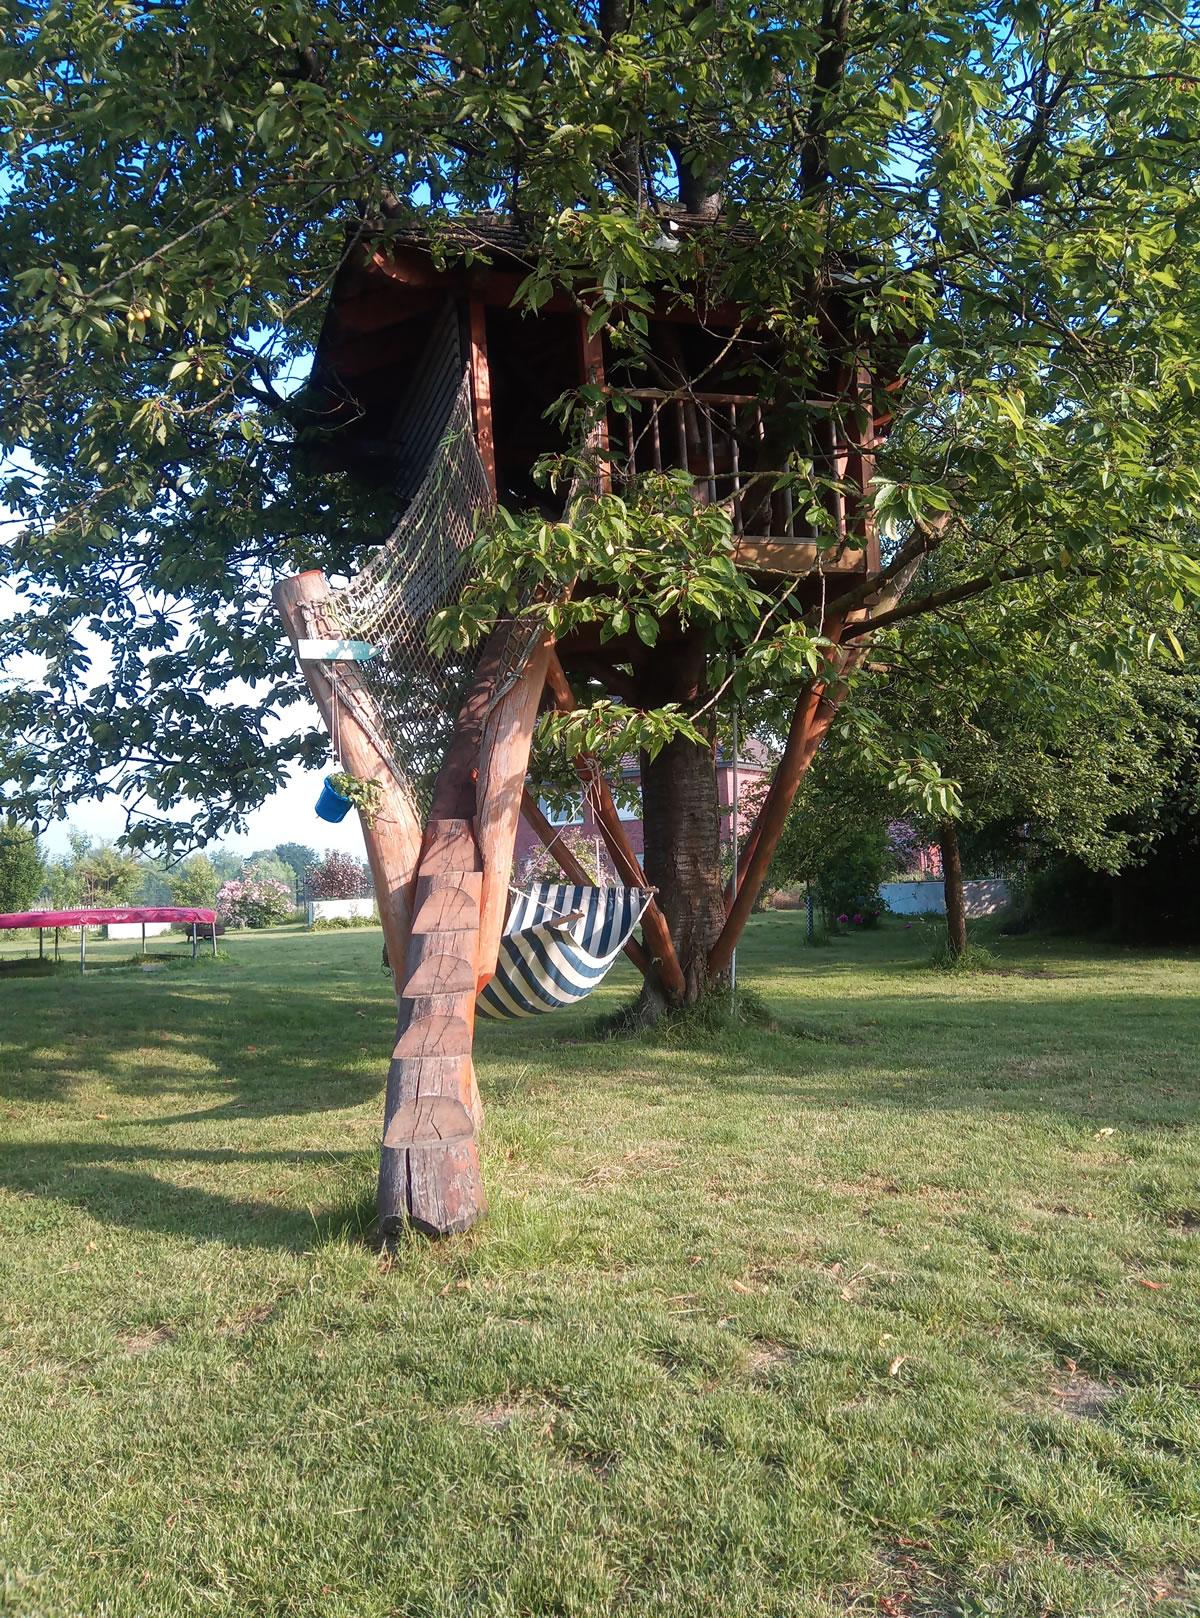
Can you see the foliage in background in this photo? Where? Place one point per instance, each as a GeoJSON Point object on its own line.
{"type": "Point", "coordinates": [22, 869]}
{"type": "Point", "coordinates": [298, 857]}
{"type": "Point", "coordinates": [93, 874]}
{"type": "Point", "coordinates": [254, 902]}
{"type": "Point", "coordinates": [539, 864]}
{"type": "Point", "coordinates": [195, 883]}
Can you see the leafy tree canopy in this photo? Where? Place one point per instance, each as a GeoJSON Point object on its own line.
{"type": "Point", "coordinates": [22, 870]}
{"type": "Point", "coordinates": [1011, 188]}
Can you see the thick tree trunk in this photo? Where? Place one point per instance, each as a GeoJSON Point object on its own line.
{"type": "Point", "coordinates": [952, 884]}
{"type": "Point", "coordinates": [681, 822]}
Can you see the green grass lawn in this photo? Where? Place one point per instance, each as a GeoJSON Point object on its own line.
{"type": "Point", "coordinates": [893, 1310]}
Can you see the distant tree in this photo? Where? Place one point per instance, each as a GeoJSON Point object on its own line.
{"type": "Point", "coordinates": [195, 883]}
{"type": "Point", "coordinates": [338, 876]}
{"type": "Point", "coordinates": [265, 862]}
{"type": "Point", "coordinates": [22, 869]}
{"type": "Point", "coordinates": [298, 855]}
{"type": "Point", "coordinates": [226, 864]}
{"type": "Point", "coordinates": [93, 875]}
{"type": "Point", "coordinates": [111, 876]}
{"type": "Point", "coordinates": [1011, 732]}
{"type": "Point", "coordinates": [155, 887]}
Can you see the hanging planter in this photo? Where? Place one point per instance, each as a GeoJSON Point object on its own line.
{"type": "Point", "coordinates": [332, 805]}
{"type": "Point", "coordinates": [343, 791]}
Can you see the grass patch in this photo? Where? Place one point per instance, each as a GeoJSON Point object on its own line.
{"type": "Point", "coordinates": [884, 1303]}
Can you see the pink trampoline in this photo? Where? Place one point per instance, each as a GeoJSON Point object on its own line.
{"type": "Point", "coordinates": [83, 919]}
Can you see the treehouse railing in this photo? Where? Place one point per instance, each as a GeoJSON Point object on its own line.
{"type": "Point", "coordinates": [717, 437]}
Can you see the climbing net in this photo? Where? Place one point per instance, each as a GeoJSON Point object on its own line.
{"type": "Point", "coordinates": [418, 571]}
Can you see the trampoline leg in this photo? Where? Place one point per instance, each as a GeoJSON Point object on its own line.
{"type": "Point", "coordinates": [82, 948]}
{"type": "Point", "coordinates": [214, 927]}
{"type": "Point", "coordinates": [41, 943]}
{"type": "Point", "coordinates": [193, 941]}
{"type": "Point", "coordinates": [143, 938]}
{"type": "Point", "coordinates": [56, 944]}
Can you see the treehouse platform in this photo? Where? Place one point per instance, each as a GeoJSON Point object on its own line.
{"type": "Point", "coordinates": [430, 386]}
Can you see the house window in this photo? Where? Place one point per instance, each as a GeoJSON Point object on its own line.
{"type": "Point", "coordinates": [570, 815]}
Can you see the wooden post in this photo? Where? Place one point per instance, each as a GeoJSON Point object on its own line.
{"type": "Point", "coordinates": [393, 842]}
{"type": "Point", "coordinates": [503, 763]}
{"type": "Point", "coordinates": [481, 386]}
{"type": "Point", "coordinates": [807, 731]}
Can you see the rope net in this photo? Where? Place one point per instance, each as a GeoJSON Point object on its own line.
{"type": "Point", "coordinates": [416, 572]}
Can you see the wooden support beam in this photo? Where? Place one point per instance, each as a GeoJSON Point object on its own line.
{"type": "Point", "coordinates": [481, 384]}
{"type": "Point", "coordinates": [435, 1184]}
{"type": "Point", "coordinates": [503, 765]}
{"type": "Point", "coordinates": [805, 734]}
{"type": "Point", "coordinates": [654, 924]}
{"type": "Point", "coordinates": [572, 869]}
{"type": "Point", "coordinates": [429, 1175]}
{"type": "Point", "coordinates": [393, 841]}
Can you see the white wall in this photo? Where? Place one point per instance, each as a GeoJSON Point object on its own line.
{"type": "Point", "coordinates": [927, 898]}
{"type": "Point", "coordinates": [133, 929]}
{"type": "Point", "coordinates": [327, 909]}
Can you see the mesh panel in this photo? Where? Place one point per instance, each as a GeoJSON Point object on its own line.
{"type": "Point", "coordinates": [419, 571]}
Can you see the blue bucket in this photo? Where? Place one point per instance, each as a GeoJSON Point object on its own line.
{"type": "Point", "coordinates": [331, 805]}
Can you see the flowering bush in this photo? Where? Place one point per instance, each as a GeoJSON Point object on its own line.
{"type": "Point", "coordinates": [339, 876]}
{"type": "Point", "coordinates": [253, 901]}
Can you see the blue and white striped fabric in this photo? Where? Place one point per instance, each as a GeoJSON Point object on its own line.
{"type": "Point", "coordinates": [558, 943]}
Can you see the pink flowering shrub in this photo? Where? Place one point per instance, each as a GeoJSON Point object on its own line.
{"type": "Point", "coordinates": [253, 901]}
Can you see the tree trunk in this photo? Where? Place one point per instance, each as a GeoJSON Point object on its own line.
{"type": "Point", "coordinates": [952, 884]}
{"type": "Point", "coordinates": [681, 822]}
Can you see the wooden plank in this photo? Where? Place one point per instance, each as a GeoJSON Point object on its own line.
{"type": "Point", "coordinates": [435, 1120]}
{"type": "Point", "coordinates": [795, 556]}
{"type": "Point", "coordinates": [435, 1036]}
{"type": "Point", "coordinates": [441, 974]}
{"type": "Point", "coordinates": [414, 1076]}
{"type": "Point", "coordinates": [449, 848]}
{"type": "Point", "coordinates": [448, 910]}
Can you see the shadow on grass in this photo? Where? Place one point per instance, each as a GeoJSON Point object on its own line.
{"type": "Point", "coordinates": [117, 1185]}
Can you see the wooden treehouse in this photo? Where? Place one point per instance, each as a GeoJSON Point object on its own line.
{"type": "Point", "coordinates": [428, 383]}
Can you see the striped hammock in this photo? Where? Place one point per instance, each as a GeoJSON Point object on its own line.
{"type": "Point", "coordinates": [559, 941]}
